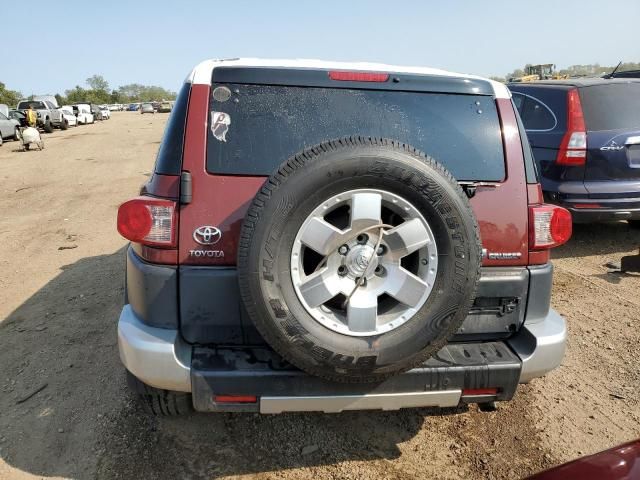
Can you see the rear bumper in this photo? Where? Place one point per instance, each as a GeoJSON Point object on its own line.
{"type": "Point", "coordinates": [598, 201]}
{"type": "Point", "coordinates": [587, 215]}
{"type": "Point", "coordinates": [159, 358]}
{"type": "Point", "coordinates": [540, 346]}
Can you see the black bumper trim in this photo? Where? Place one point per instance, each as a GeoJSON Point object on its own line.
{"type": "Point", "coordinates": [261, 372]}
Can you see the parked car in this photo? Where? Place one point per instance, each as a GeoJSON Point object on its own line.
{"type": "Point", "coordinates": [9, 128]}
{"type": "Point", "coordinates": [96, 112]}
{"type": "Point", "coordinates": [48, 114]}
{"type": "Point", "coordinates": [585, 135]}
{"type": "Point", "coordinates": [69, 116]}
{"type": "Point", "coordinates": [147, 108]}
{"type": "Point", "coordinates": [618, 463]}
{"type": "Point", "coordinates": [9, 124]}
{"type": "Point", "coordinates": [19, 117]}
{"type": "Point", "coordinates": [325, 263]}
{"type": "Point", "coordinates": [105, 112]}
{"type": "Point", "coordinates": [165, 107]}
{"type": "Point", "coordinates": [82, 111]}
{"type": "Point", "coordinates": [133, 107]}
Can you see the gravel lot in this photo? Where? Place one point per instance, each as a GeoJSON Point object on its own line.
{"type": "Point", "coordinates": [61, 291]}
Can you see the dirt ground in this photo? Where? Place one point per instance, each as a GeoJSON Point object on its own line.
{"type": "Point", "coordinates": [61, 291]}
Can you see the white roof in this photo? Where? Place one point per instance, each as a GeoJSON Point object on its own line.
{"type": "Point", "coordinates": [201, 74]}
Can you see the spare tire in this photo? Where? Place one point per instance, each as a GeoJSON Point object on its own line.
{"type": "Point", "coordinates": [358, 259]}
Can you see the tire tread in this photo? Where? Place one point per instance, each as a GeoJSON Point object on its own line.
{"type": "Point", "coordinates": [287, 168]}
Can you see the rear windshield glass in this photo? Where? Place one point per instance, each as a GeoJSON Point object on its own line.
{"type": "Point", "coordinates": [169, 159]}
{"type": "Point", "coordinates": [611, 107]}
{"type": "Point", "coordinates": [254, 128]}
{"type": "Point", "coordinates": [36, 105]}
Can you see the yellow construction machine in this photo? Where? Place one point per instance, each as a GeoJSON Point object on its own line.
{"type": "Point", "coordinates": [543, 71]}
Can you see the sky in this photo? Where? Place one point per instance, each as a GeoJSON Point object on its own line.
{"type": "Point", "coordinates": [158, 42]}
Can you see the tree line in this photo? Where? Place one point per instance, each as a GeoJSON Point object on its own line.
{"type": "Point", "coordinates": [588, 70]}
{"type": "Point", "coordinates": [98, 91]}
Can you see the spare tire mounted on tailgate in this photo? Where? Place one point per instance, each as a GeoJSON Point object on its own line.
{"type": "Point", "coordinates": [358, 259]}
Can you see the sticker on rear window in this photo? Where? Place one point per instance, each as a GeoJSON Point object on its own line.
{"type": "Point", "coordinates": [220, 122]}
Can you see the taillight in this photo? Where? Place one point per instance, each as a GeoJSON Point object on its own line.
{"type": "Point", "coordinates": [573, 148]}
{"type": "Point", "coordinates": [549, 226]}
{"type": "Point", "coordinates": [149, 221]}
{"type": "Point", "coordinates": [358, 76]}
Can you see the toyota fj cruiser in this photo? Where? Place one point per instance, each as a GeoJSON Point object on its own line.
{"type": "Point", "coordinates": [333, 236]}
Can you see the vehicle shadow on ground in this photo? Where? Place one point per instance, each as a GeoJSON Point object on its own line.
{"type": "Point", "coordinates": [615, 239]}
{"type": "Point", "coordinates": [66, 410]}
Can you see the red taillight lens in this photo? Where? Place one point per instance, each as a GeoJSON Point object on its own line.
{"type": "Point", "coordinates": [149, 221]}
{"type": "Point", "coordinates": [358, 76]}
{"type": "Point", "coordinates": [550, 226]}
{"type": "Point", "coordinates": [573, 148]}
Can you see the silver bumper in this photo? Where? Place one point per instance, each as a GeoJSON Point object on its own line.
{"type": "Point", "coordinates": [540, 345]}
{"type": "Point", "coordinates": [157, 356]}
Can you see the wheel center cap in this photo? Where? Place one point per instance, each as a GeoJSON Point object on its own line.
{"type": "Point", "coordinates": [358, 260]}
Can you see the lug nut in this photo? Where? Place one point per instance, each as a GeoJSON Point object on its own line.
{"type": "Point", "coordinates": [424, 261]}
{"type": "Point", "coordinates": [342, 270]}
{"type": "Point", "coordinates": [362, 238]}
{"type": "Point", "coordinates": [381, 250]}
{"type": "Point", "coordinates": [343, 250]}
{"type": "Point", "coordinates": [379, 270]}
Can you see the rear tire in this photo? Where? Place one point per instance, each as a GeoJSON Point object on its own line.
{"type": "Point", "coordinates": [16, 134]}
{"type": "Point", "coordinates": [64, 124]}
{"type": "Point", "coordinates": [48, 127]}
{"type": "Point", "coordinates": [158, 402]}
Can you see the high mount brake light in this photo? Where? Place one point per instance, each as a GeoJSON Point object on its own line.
{"type": "Point", "coordinates": [573, 148]}
{"type": "Point", "coordinates": [549, 226]}
{"type": "Point", "coordinates": [149, 221]}
{"type": "Point", "coordinates": [358, 76]}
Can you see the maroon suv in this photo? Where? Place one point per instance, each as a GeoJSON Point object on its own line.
{"type": "Point", "coordinates": [330, 236]}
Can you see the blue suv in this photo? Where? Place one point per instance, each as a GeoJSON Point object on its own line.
{"type": "Point", "coordinates": [585, 137]}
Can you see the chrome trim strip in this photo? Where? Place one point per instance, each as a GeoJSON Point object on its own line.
{"type": "Point", "coordinates": [373, 401]}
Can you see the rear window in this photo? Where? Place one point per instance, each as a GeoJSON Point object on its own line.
{"type": "Point", "coordinates": [36, 105]}
{"type": "Point", "coordinates": [169, 159]}
{"type": "Point", "coordinates": [535, 114]}
{"type": "Point", "coordinates": [613, 106]}
{"type": "Point", "coordinates": [254, 128]}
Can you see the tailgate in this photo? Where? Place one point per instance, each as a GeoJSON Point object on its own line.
{"type": "Point", "coordinates": [612, 117]}
{"type": "Point", "coordinates": [613, 155]}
